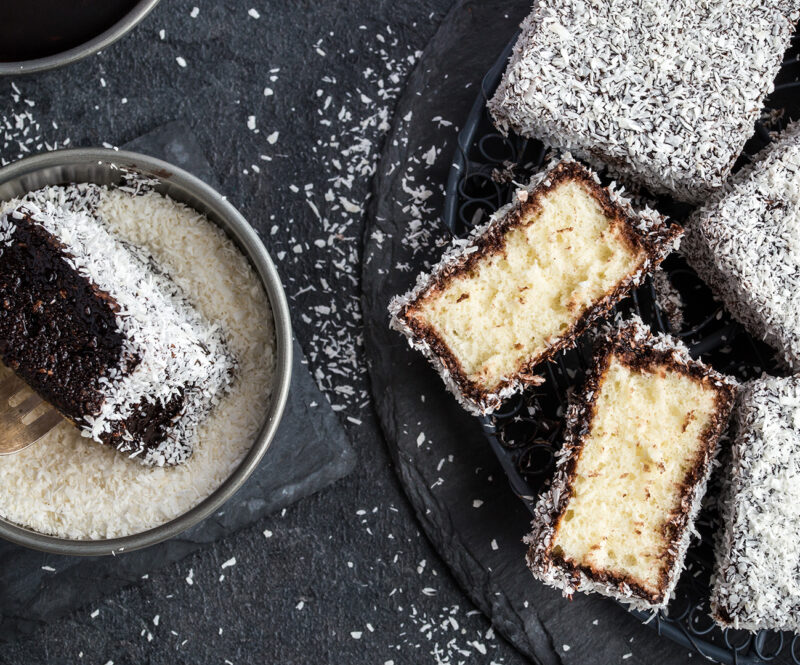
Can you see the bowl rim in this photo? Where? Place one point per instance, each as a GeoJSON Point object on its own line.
{"type": "Point", "coordinates": [97, 43]}
{"type": "Point", "coordinates": [252, 247]}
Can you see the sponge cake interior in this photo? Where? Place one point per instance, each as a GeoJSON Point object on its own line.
{"type": "Point", "coordinates": [563, 255]}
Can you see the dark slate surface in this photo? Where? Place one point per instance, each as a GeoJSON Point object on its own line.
{"type": "Point", "coordinates": [310, 451]}
{"type": "Point", "coordinates": [445, 464]}
{"type": "Point", "coordinates": [345, 575]}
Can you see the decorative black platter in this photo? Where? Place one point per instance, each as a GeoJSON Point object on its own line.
{"type": "Point", "coordinates": [526, 433]}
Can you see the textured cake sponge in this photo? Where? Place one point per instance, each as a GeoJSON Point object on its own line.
{"type": "Point", "coordinates": [641, 438]}
{"type": "Point", "coordinates": [663, 93]}
{"type": "Point", "coordinates": [101, 333]}
{"type": "Point", "coordinates": [528, 283]}
{"type": "Point", "coordinates": [757, 573]}
{"type": "Point", "coordinates": [745, 244]}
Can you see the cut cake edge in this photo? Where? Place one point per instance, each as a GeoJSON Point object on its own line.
{"type": "Point", "coordinates": [639, 346]}
{"type": "Point", "coordinates": [645, 228]}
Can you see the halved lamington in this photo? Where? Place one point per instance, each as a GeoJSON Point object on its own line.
{"type": "Point", "coordinates": [641, 437]}
{"type": "Point", "coordinates": [101, 333]}
{"type": "Point", "coordinates": [662, 93]}
{"type": "Point", "coordinates": [745, 244]}
{"type": "Point", "coordinates": [529, 283]}
{"type": "Point", "coordinates": [757, 574]}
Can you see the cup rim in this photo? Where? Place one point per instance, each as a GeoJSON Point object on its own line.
{"type": "Point", "coordinates": [87, 48]}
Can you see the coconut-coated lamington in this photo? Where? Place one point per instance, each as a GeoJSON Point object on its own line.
{"type": "Point", "coordinates": [757, 572]}
{"type": "Point", "coordinates": [745, 244]}
{"type": "Point", "coordinates": [641, 439]}
{"type": "Point", "coordinates": [662, 93]}
{"type": "Point", "coordinates": [529, 282]}
{"type": "Point", "coordinates": [103, 335]}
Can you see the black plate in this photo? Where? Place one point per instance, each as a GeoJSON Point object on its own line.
{"type": "Point", "coordinates": [526, 432]}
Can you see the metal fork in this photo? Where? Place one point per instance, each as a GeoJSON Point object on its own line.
{"type": "Point", "coordinates": [24, 416]}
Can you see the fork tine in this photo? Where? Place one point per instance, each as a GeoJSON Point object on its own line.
{"type": "Point", "coordinates": [15, 435]}
{"type": "Point", "coordinates": [20, 436]}
{"type": "Point", "coordinates": [10, 387]}
{"type": "Point", "coordinates": [27, 405]}
{"type": "Point", "coordinates": [43, 424]}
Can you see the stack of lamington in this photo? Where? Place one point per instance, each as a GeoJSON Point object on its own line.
{"type": "Point", "coordinates": [664, 96]}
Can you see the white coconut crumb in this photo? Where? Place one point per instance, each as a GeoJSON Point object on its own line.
{"type": "Point", "coordinates": [349, 154]}
{"type": "Point", "coordinates": [273, 138]}
{"type": "Point", "coordinates": [253, 13]}
{"type": "Point", "coordinates": [267, 533]}
{"type": "Point", "coordinates": [96, 493]}
{"type": "Point", "coordinates": [445, 638]}
{"type": "Point", "coordinates": [181, 61]}
{"type": "Point", "coordinates": [20, 132]}
{"type": "Point", "coordinates": [195, 12]}
{"type": "Point", "coordinates": [229, 563]}
{"type": "Point", "coordinates": [655, 89]}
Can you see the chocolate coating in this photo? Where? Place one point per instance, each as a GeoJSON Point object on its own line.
{"type": "Point", "coordinates": [57, 331]}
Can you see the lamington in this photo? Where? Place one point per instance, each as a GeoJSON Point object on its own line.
{"type": "Point", "coordinates": [529, 282]}
{"type": "Point", "coordinates": [640, 441]}
{"type": "Point", "coordinates": [757, 573]}
{"type": "Point", "coordinates": [100, 332]}
{"type": "Point", "coordinates": [745, 244]}
{"type": "Point", "coordinates": [664, 94]}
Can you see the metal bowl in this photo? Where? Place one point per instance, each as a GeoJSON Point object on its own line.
{"type": "Point", "coordinates": [102, 166]}
{"type": "Point", "coordinates": [98, 43]}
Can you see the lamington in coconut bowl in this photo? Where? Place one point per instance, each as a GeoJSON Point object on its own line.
{"type": "Point", "coordinates": [147, 314]}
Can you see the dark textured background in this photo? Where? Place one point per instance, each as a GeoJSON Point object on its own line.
{"type": "Point", "coordinates": [346, 576]}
